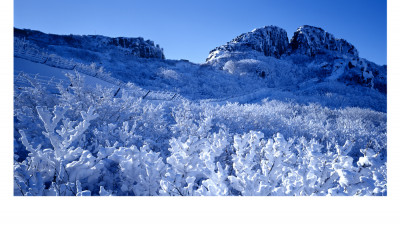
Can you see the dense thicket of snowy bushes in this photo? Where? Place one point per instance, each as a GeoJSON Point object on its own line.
{"type": "Point", "coordinates": [89, 142]}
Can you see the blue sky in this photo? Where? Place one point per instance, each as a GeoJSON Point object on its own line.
{"type": "Point", "coordinates": [190, 29]}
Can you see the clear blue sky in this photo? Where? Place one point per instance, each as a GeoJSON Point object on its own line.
{"type": "Point", "coordinates": [190, 29]}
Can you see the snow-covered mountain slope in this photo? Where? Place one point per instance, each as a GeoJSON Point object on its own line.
{"type": "Point", "coordinates": [303, 70]}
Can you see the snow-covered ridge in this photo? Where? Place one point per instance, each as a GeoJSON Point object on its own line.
{"type": "Point", "coordinates": [27, 51]}
{"type": "Point", "coordinates": [131, 46]}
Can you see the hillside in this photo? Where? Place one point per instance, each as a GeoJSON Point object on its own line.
{"type": "Point", "coordinates": [264, 115]}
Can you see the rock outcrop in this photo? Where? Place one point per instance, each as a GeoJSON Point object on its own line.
{"type": "Point", "coordinates": [273, 41]}
{"type": "Point", "coordinates": [311, 40]}
{"type": "Point", "coordinates": [270, 40]}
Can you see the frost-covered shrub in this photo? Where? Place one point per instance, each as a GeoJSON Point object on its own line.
{"type": "Point", "coordinates": [125, 119]}
{"type": "Point", "coordinates": [193, 169]}
{"type": "Point", "coordinates": [67, 151]}
{"type": "Point", "coordinates": [311, 121]}
{"type": "Point", "coordinates": [65, 169]}
{"type": "Point", "coordinates": [168, 74]}
{"type": "Point", "coordinates": [26, 99]}
{"type": "Point", "coordinates": [63, 163]}
{"type": "Point", "coordinates": [89, 141]}
{"type": "Point", "coordinates": [130, 171]}
{"type": "Point", "coordinates": [279, 167]}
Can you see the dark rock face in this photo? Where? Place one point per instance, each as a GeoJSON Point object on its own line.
{"type": "Point", "coordinates": [311, 40]}
{"type": "Point", "coordinates": [97, 43]}
{"type": "Point", "coordinates": [270, 40]}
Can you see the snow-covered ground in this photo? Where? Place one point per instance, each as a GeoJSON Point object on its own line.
{"type": "Point", "coordinates": [249, 121]}
{"type": "Point", "coordinates": [46, 74]}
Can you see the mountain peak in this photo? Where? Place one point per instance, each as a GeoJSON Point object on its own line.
{"type": "Point", "coordinates": [273, 41]}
